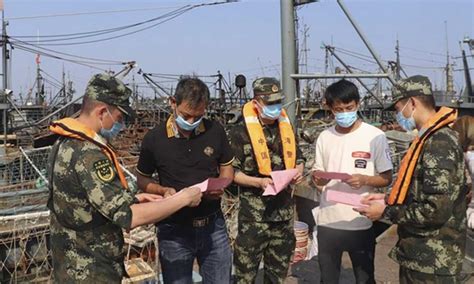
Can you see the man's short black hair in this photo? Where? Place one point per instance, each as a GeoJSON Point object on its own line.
{"type": "Point", "coordinates": [192, 90]}
{"type": "Point", "coordinates": [342, 90]}
{"type": "Point", "coordinates": [89, 104]}
{"type": "Point", "coordinates": [426, 101]}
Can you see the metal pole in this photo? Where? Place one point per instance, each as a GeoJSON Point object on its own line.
{"type": "Point", "coordinates": [330, 49]}
{"type": "Point", "coordinates": [19, 112]}
{"type": "Point", "coordinates": [5, 78]}
{"type": "Point", "coordinates": [336, 76]}
{"type": "Point", "coordinates": [364, 39]}
{"type": "Point", "coordinates": [58, 110]}
{"type": "Point", "coordinates": [288, 57]}
{"type": "Point", "coordinates": [4, 52]}
{"type": "Point", "coordinates": [467, 76]}
{"type": "Point", "coordinates": [397, 50]}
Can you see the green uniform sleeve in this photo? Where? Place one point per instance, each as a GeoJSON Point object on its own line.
{"type": "Point", "coordinates": [236, 145]}
{"type": "Point", "coordinates": [300, 159]}
{"type": "Point", "coordinates": [433, 199]}
{"type": "Point", "coordinates": [103, 188]}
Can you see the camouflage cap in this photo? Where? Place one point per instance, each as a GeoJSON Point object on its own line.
{"type": "Point", "coordinates": [110, 90]}
{"type": "Point", "coordinates": [410, 87]}
{"type": "Point", "coordinates": [268, 89]}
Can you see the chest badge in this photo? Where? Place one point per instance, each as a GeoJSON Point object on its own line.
{"type": "Point", "coordinates": [104, 170]}
{"type": "Point", "coordinates": [209, 151]}
{"type": "Point", "coordinates": [360, 164]}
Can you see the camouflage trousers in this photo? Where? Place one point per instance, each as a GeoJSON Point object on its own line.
{"type": "Point", "coordinates": [408, 276]}
{"type": "Point", "coordinates": [274, 241]}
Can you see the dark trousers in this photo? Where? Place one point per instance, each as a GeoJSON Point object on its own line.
{"type": "Point", "coordinates": [180, 244]}
{"type": "Point", "coordinates": [361, 248]}
{"type": "Point", "coordinates": [408, 276]}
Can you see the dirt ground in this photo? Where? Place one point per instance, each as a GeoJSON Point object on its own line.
{"type": "Point", "coordinates": [307, 272]}
{"type": "Point", "coordinates": [386, 270]}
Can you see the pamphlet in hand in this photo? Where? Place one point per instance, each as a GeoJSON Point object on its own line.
{"type": "Point", "coordinates": [213, 184]}
{"type": "Point", "coordinates": [347, 198]}
{"type": "Point", "coordinates": [332, 175]}
{"type": "Point", "coordinates": [281, 179]}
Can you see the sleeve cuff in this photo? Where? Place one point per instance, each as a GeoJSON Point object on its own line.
{"type": "Point", "coordinates": [143, 174]}
{"type": "Point", "coordinates": [385, 170]}
{"type": "Point", "coordinates": [224, 164]}
{"type": "Point", "coordinates": [123, 214]}
{"type": "Point", "coordinates": [391, 213]}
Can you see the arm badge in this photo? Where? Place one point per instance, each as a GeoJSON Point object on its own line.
{"type": "Point", "coordinates": [104, 170]}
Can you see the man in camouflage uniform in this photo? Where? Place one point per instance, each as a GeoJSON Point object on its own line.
{"type": "Point", "coordinates": [89, 200]}
{"type": "Point", "coordinates": [432, 217]}
{"type": "Point", "coordinates": [265, 222]}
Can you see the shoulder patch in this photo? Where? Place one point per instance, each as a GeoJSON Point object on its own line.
{"type": "Point", "coordinates": [104, 170]}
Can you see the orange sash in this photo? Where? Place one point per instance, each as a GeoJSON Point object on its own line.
{"type": "Point", "coordinates": [72, 128]}
{"type": "Point", "coordinates": [405, 174]}
{"type": "Point", "coordinates": [259, 143]}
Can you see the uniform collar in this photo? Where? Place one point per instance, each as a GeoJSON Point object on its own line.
{"type": "Point", "coordinates": [172, 130]}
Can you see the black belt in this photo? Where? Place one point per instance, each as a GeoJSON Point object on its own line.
{"type": "Point", "coordinates": [198, 222]}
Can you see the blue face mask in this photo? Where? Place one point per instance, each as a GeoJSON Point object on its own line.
{"type": "Point", "coordinates": [186, 126]}
{"type": "Point", "coordinates": [271, 112]}
{"type": "Point", "coordinates": [111, 133]}
{"type": "Point", "coordinates": [406, 123]}
{"type": "Point", "coordinates": [346, 119]}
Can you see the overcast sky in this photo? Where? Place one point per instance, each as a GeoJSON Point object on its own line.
{"type": "Point", "coordinates": [242, 37]}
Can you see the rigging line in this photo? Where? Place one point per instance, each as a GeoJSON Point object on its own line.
{"type": "Point", "coordinates": [68, 54]}
{"type": "Point", "coordinates": [163, 74]}
{"type": "Point", "coordinates": [171, 15]}
{"type": "Point", "coordinates": [423, 67]}
{"type": "Point", "coordinates": [151, 82]}
{"type": "Point", "coordinates": [90, 13]}
{"type": "Point", "coordinates": [226, 84]}
{"type": "Point", "coordinates": [118, 36]}
{"type": "Point", "coordinates": [423, 51]}
{"type": "Point", "coordinates": [360, 55]}
{"type": "Point", "coordinates": [421, 59]}
{"type": "Point", "coordinates": [52, 82]}
{"type": "Point", "coordinates": [170, 76]}
{"type": "Point", "coordinates": [32, 50]}
{"type": "Point", "coordinates": [174, 78]}
{"type": "Point", "coordinates": [56, 97]}
{"type": "Point", "coordinates": [159, 82]}
{"type": "Point", "coordinates": [49, 79]}
{"type": "Point", "coordinates": [350, 51]}
{"type": "Point", "coordinates": [356, 56]}
{"type": "Point", "coordinates": [109, 29]}
{"type": "Point", "coordinates": [59, 58]}
{"type": "Point", "coordinates": [56, 80]}
{"type": "Point", "coordinates": [365, 58]}
{"type": "Point", "coordinates": [362, 70]}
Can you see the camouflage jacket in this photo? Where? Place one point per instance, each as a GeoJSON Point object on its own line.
{"type": "Point", "coordinates": [432, 221]}
{"type": "Point", "coordinates": [254, 206]}
{"type": "Point", "coordinates": [89, 209]}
